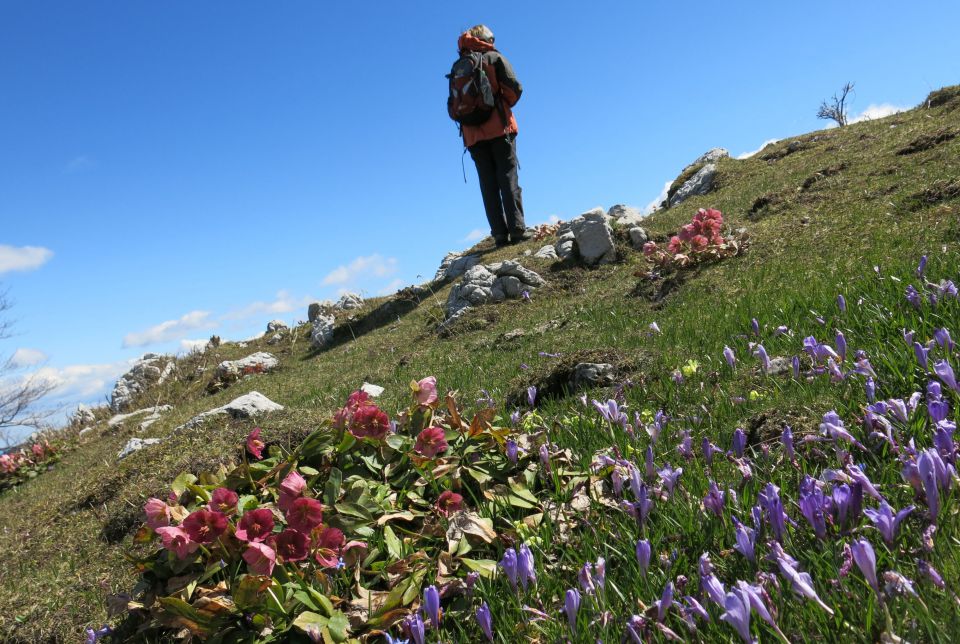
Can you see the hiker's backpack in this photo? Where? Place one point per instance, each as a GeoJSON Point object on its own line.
{"type": "Point", "coordinates": [471, 100]}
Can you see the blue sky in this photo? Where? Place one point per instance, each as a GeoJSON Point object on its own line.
{"type": "Point", "coordinates": [176, 169]}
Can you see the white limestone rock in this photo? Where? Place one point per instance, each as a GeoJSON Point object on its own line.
{"type": "Point", "coordinates": [483, 284]}
{"type": "Point", "coordinates": [698, 184]}
{"type": "Point", "coordinates": [349, 302]}
{"type": "Point", "coordinates": [547, 252]}
{"type": "Point", "coordinates": [625, 216]}
{"type": "Point", "coordinates": [372, 390]}
{"type": "Point", "coordinates": [261, 361]}
{"type": "Point", "coordinates": [276, 326]}
{"type": "Point", "coordinates": [247, 406]}
{"type": "Point", "coordinates": [594, 237]}
{"type": "Point", "coordinates": [638, 237]}
{"type": "Point", "coordinates": [155, 412]}
{"type": "Point", "coordinates": [150, 370]}
{"type": "Point", "coordinates": [322, 332]}
{"type": "Point", "coordinates": [456, 264]}
{"type": "Point", "coordinates": [135, 445]}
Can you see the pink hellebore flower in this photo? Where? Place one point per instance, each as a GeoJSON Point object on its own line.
{"type": "Point", "coordinates": [430, 442]}
{"type": "Point", "coordinates": [223, 500]}
{"type": "Point", "coordinates": [255, 525]}
{"type": "Point", "coordinates": [254, 444]}
{"type": "Point", "coordinates": [292, 545]}
{"type": "Point", "coordinates": [426, 391]}
{"type": "Point", "coordinates": [369, 421]}
{"type": "Point", "coordinates": [158, 513]}
{"type": "Point", "coordinates": [329, 542]}
{"type": "Point", "coordinates": [305, 514]}
{"type": "Point", "coordinates": [205, 526]}
{"type": "Point", "coordinates": [291, 489]}
{"type": "Point", "coordinates": [449, 502]}
{"type": "Point", "coordinates": [177, 540]}
{"type": "Point", "coordinates": [261, 558]}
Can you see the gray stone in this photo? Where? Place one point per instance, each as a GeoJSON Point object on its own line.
{"type": "Point", "coordinates": [780, 366]}
{"type": "Point", "coordinates": [625, 216]}
{"type": "Point", "coordinates": [150, 370]}
{"type": "Point", "coordinates": [154, 412]}
{"type": "Point", "coordinates": [489, 283]}
{"type": "Point", "coordinates": [276, 338]}
{"type": "Point", "coordinates": [456, 264]}
{"type": "Point", "coordinates": [592, 374]}
{"type": "Point", "coordinates": [135, 445]}
{"type": "Point", "coordinates": [322, 332]}
{"type": "Point", "coordinates": [230, 370]}
{"type": "Point", "coordinates": [250, 405]}
{"type": "Point", "coordinates": [566, 245]}
{"type": "Point", "coordinates": [638, 237]}
{"type": "Point", "coordinates": [349, 302]}
{"type": "Point", "coordinates": [86, 431]}
{"type": "Point", "coordinates": [83, 416]}
{"type": "Point", "coordinates": [698, 184]}
{"type": "Point", "coordinates": [273, 326]}
{"type": "Point", "coordinates": [313, 311]}
{"type": "Point", "coordinates": [372, 390]}
{"type": "Point", "coordinates": [547, 252]}
{"type": "Point", "coordinates": [710, 156]}
{"type": "Point", "coordinates": [594, 237]}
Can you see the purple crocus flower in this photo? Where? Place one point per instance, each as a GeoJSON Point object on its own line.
{"type": "Point", "coordinates": [696, 609]}
{"type": "Point", "coordinates": [781, 330]}
{"type": "Point", "coordinates": [746, 539]}
{"type": "Point", "coordinates": [431, 605]}
{"type": "Point", "coordinates": [709, 582]}
{"type": "Point", "coordinates": [729, 356]}
{"type": "Point", "coordinates": [833, 427]}
{"type": "Point", "coordinates": [945, 372]}
{"type": "Point", "coordinates": [737, 614]}
{"type": "Point", "coordinates": [643, 555]}
{"type": "Point", "coordinates": [636, 483]}
{"type": "Point", "coordinates": [665, 602]}
{"type": "Point", "coordinates": [513, 451]}
{"type": "Point", "coordinates": [842, 303]}
{"type": "Point", "coordinates": [841, 342]}
{"type": "Point", "coordinates": [858, 476]}
{"type": "Point", "coordinates": [812, 502]}
{"type": "Point", "coordinates": [515, 418]}
{"type": "Point", "coordinates": [761, 353]}
{"type": "Point", "coordinates": [922, 355]}
{"type": "Point", "coordinates": [485, 620]}
{"type": "Point", "coordinates": [669, 477]}
{"type": "Point", "coordinates": [834, 370]}
{"type": "Point", "coordinates": [585, 577]}
{"type": "Point", "coordinates": [755, 326]}
{"type": "Point", "coordinates": [943, 440]}
{"type": "Point", "coordinates": [908, 336]}
{"type": "Point", "coordinates": [544, 453]}
{"type": "Point", "coordinates": [938, 409]}
{"type": "Point", "coordinates": [773, 508]}
{"type": "Point", "coordinates": [947, 287]}
{"type": "Point", "coordinates": [943, 339]}
{"type": "Point", "coordinates": [709, 449]}
{"type": "Point", "coordinates": [739, 442]}
{"type": "Point", "coordinates": [686, 445]}
{"type": "Point", "coordinates": [786, 439]}
{"type": "Point", "coordinates": [795, 363]}
{"type": "Point", "coordinates": [801, 582]}
{"type": "Point", "coordinates": [532, 395]}
{"type": "Point", "coordinates": [886, 522]}
{"type": "Point", "coordinates": [755, 596]}
{"type": "Point", "coordinates": [525, 567]}
{"type": "Point", "coordinates": [600, 573]}
{"type": "Point", "coordinates": [509, 565]}
{"type": "Point", "coordinates": [571, 606]}
{"type": "Point", "coordinates": [846, 502]}
{"type": "Point", "coordinates": [931, 573]}
{"type": "Point", "coordinates": [866, 561]}
{"type": "Point", "coordinates": [922, 266]}
{"type": "Point", "coordinates": [870, 388]}
{"type": "Point", "coordinates": [714, 500]}
{"type": "Point", "coordinates": [649, 467]}
{"type": "Point", "coordinates": [94, 636]}
{"type": "Point", "coordinates": [470, 582]}
{"type": "Point", "coordinates": [927, 469]}
{"type": "Point", "coordinates": [654, 327]}
{"type": "Point", "coordinates": [913, 297]}
{"type": "Point", "coordinates": [414, 627]}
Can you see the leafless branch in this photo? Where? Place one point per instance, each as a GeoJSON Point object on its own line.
{"type": "Point", "coordinates": [836, 108]}
{"type": "Point", "coordinates": [18, 395]}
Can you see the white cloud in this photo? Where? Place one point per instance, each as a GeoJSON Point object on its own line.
{"type": "Point", "coordinates": [747, 155]}
{"type": "Point", "coordinates": [81, 163]}
{"type": "Point", "coordinates": [659, 199]}
{"type": "Point", "coordinates": [392, 287]}
{"type": "Point", "coordinates": [475, 235]}
{"type": "Point", "coordinates": [24, 357]}
{"type": "Point", "coordinates": [81, 381]}
{"type": "Point", "coordinates": [190, 345]}
{"type": "Point", "coordinates": [877, 111]}
{"type": "Point", "coordinates": [284, 302]}
{"type": "Point", "coordinates": [169, 330]}
{"type": "Point", "coordinates": [23, 258]}
{"type": "Point", "coordinates": [370, 266]}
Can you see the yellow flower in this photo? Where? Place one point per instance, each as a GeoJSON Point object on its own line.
{"type": "Point", "coordinates": [755, 395]}
{"type": "Point", "coordinates": [690, 368]}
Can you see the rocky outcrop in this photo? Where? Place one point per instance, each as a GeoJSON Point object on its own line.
{"type": "Point", "coordinates": [566, 244]}
{"type": "Point", "coordinates": [247, 406]}
{"type": "Point", "coordinates": [316, 309]}
{"type": "Point", "coordinates": [150, 370]}
{"type": "Point", "coordinates": [489, 283]}
{"type": "Point", "coordinates": [322, 332]}
{"type": "Point", "coordinates": [276, 326]}
{"type": "Point", "coordinates": [83, 416]}
{"type": "Point", "coordinates": [594, 237]}
{"type": "Point", "coordinates": [695, 179]}
{"type": "Point", "coordinates": [349, 302]}
{"type": "Point", "coordinates": [592, 374]}
{"type": "Point", "coordinates": [547, 252]}
{"type": "Point", "coordinates": [638, 237]}
{"type": "Point", "coordinates": [454, 265]}
{"type": "Point", "coordinates": [259, 362]}
{"type": "Point", "coordinates": [152, 414]}
{"type": "Point", "coordinates": [135, 445]}
{"type": "Point", "coordinates": [372, 390]}
{"type": "Point", "coordinates": [625, 216]}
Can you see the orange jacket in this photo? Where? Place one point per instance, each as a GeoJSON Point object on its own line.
{"type": "Point", "coordinates": [505, 87]}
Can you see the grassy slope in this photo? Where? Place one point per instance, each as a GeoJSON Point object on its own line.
{"type": "Point", "coordinates": [64, 534]}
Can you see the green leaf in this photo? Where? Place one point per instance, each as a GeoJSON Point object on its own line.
{"type": "Point", "coordinates": [479, 476]}
{"type": "Point", "coordinates": [180, 483]}
{"type": "Point", "coordinates": [247, 502]}
{"type": "Point", "coordinates": [394, 546]}
{"type": "Point", "coordinates": [486, 567]}
{"type": "Point", "coordinates": [339, 626]}
{"type": "Point", "coordinates": [397, 442]}
{"type": "Point", "coordinates": [310, 623]}
{"type": "Point", "coordinates": [331, 491]}
{"type": "Point", "coordinates": [354, 510]}
{"type": "Point", "coordinates": [308, 471]}
{"type": "Point", "coordinates": [248, 593]}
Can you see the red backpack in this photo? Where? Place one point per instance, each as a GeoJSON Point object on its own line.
{"type": "Point", "coordinates": [471, 100]}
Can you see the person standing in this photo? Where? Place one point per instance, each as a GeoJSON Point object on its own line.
{"type": "Point", "coordinates": [490, 133]}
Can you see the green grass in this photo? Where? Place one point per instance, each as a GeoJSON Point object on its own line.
{"type": "Point", "coordinates": [65, 534]}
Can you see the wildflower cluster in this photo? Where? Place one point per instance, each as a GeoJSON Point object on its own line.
{"type": "Point", "coordinates": [16, 466]}
{"type": "Point", "coordinates": [697, 241]}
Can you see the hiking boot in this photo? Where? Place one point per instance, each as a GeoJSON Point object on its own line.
{"type": "Point", "coordinates": [500, 242]}
{"type": "Point", "coordinates": [522, 236]}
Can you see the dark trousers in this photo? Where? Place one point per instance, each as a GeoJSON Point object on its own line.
{"type": "Point", "coordinates": [496, 161]}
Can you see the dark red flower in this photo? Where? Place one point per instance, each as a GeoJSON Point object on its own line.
{"type": "Point", "coordinates": [291, 545]}
{"type": "Point", "coordinates": [370, 421]}
{"type": "Point", "coordinates": [305, 514]}
{"type": "Point", "coordinates": [254, 444]}
{"type": "Point", "coordinates": [449, 502]}
{"type": "Point", "coordinates": [204, 526]}
{"type": "Point", "coordinates": [223, 500]}
{"type": "Point", "coordinates": [255, 525]}
{"type": "Point", "coordinates": [430, 442]}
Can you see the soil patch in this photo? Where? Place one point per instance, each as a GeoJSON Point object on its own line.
{"type": "Point", "coordinates": [765, 204]}
{"type": "Point", "coordinates": [779, 152]}
{"type": "Point", "coordinates": [944, 96]}
{"type": "Point", "coordinates": [943, 190]}
{"type": "Point", "coordinates": [928, 141]}
{"type": "Point", "coordinates": [555, 380]}
{"type": "Point", "coordinates": [820, 175]}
